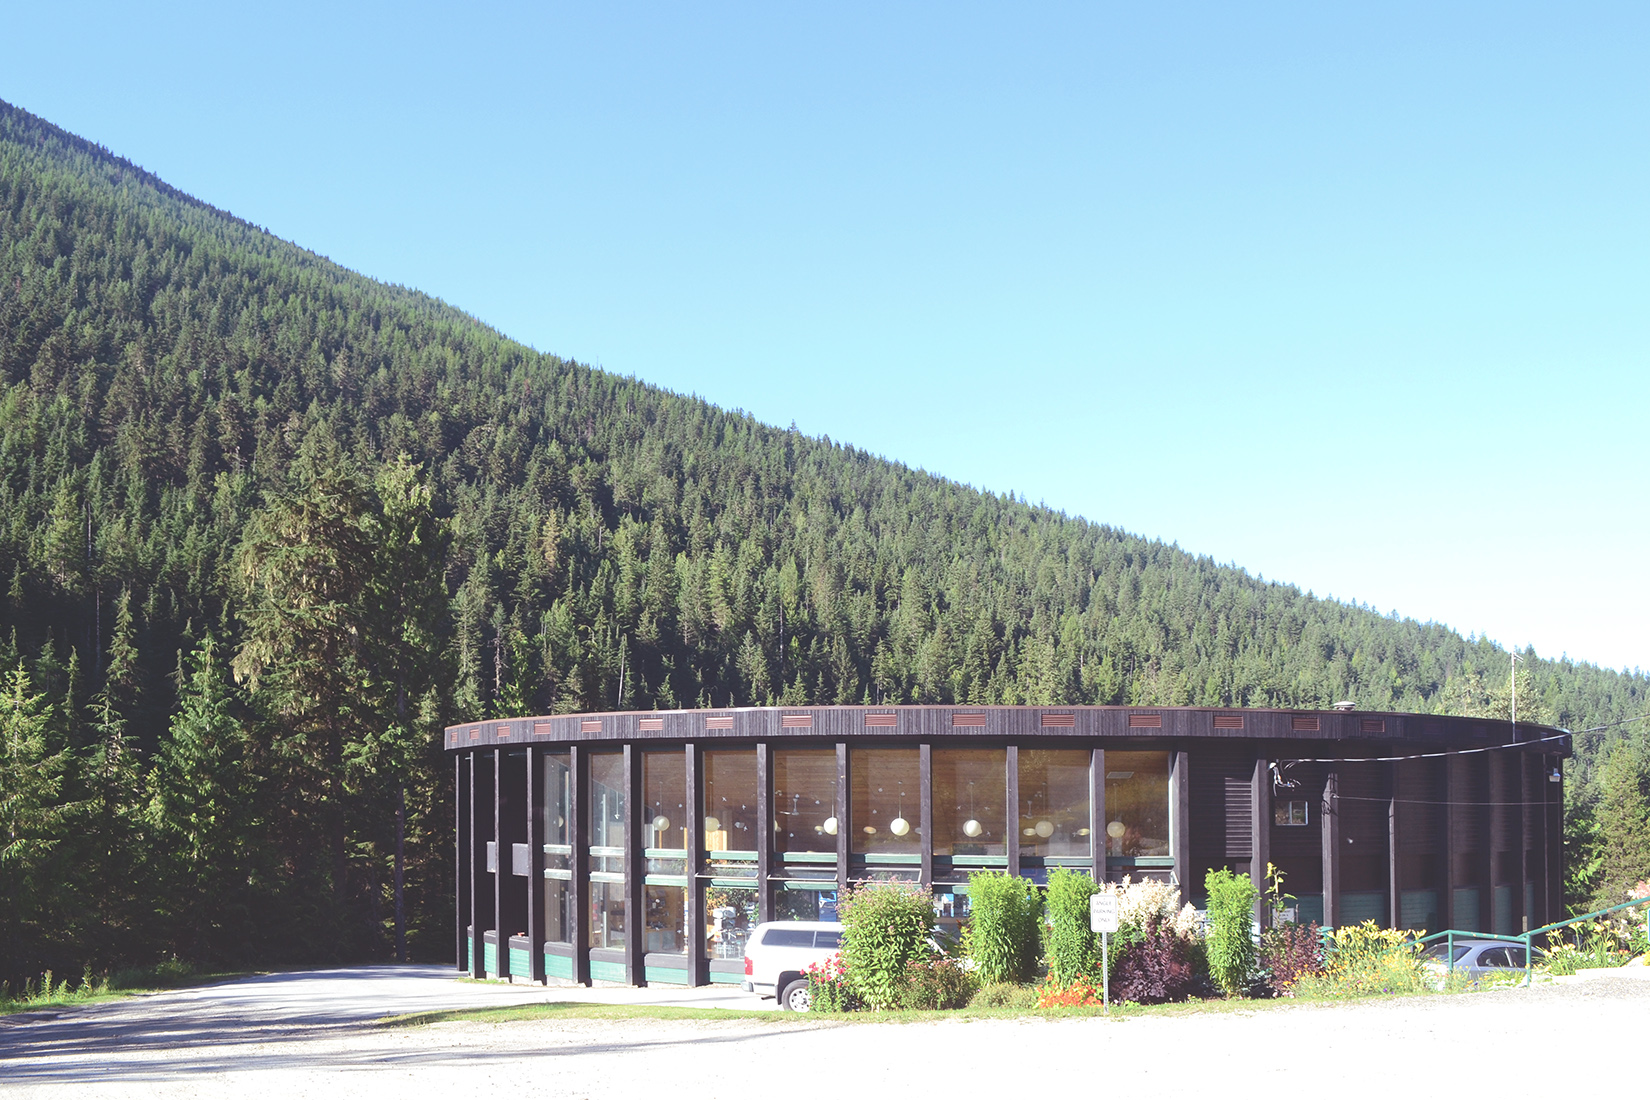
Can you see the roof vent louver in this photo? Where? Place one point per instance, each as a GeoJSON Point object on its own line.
{"type": "Point", "coordinates": [1228, 721]}
{"type": "Point", "coordinates": [1145, 721]}
{"type": "Point", "coordinates": [1304, 723]}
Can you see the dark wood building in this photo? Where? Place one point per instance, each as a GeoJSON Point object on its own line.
{"type": "Point", "coordinates": [641, 847]}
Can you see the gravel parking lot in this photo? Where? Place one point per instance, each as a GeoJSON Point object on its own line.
{"type": "Point", "coordinates": [311, 1034]}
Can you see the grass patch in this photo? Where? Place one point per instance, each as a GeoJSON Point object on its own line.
{"type": "Point", "coordinates": [50, 994]}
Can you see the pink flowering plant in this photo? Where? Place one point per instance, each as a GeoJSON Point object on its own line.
{"type": "Point", "coordinates": [828, 989]}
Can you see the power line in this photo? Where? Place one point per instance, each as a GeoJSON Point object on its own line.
{"type": "Point", "coordinates": [1432, 802]}
{"type": "Point", "coordinates": [1428, 755]}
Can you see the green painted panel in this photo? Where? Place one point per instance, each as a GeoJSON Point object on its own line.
{"type": "Point", "coordinates": [1418, 909]}
{"type": "Point", "coordinates": [519, 962]}
{"type": "Point", "coordinates": [665, 975]}
{"type": "Point", "coordinates": [1529, 907]}
{"type": "Point", "coordinates": [470, 954]}
{"type": "Point", "coordinates": [489, 958]}
{"type": "Point", "coordinates": [1466, 917]}
{"type": "Point", "coordinates": [601, 971]}
{"type": "Point", "coordinates": [726, 979]}
{"type": "Point", "coordinates": [1366, 905]}
{"type": "Point", "coordinates": [558, 966]}
{"type": "Point", "coordinates": [1501, 902]}
{"type": "Point", "coordinates": [1311, 908]}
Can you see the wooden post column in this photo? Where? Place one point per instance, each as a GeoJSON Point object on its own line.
{"type": "Point", "coordinates": [764, 830]}
{"type": "Point", "coordinates": [1394, 896]}
{"type": "Point", "coordinates": [1329, 814]}
{"type": "Point", "coordinates": [535, 865]}
{"type": "Point", "coordinates": [635, 871]}
{"type": "Point", "coordinates": [1097, 814]}
{"type": "Point", "coordinates": [1260, 835]}
{"type": "Point", "coordinates": [698, 963]}
{"type": "Point", "coordinates": [1013, 800]}
{"type": "Point", "coordinates": [843, 818]}
{"type": "Point", "coordinates": [1180, 824]}
{"type": "Point", "coordinates": [463, 870]}
{"type": "Point", "coordinates": [925, 818]}
{"type": "Point", "coordinates": [578, 838]}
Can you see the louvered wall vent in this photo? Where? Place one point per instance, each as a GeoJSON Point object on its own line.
{"type": "Point", "coordinates": [590, 725]}
{"type": "Point", "coordinates": [967, 720]}
{"type": "Point", "coordinates": [1372, 725]}
{"type": "Point", "coordinates": [502, 732]}
{"type": "Point", "coordinates": [452, 738]}
{"type": "Point", "coordinates": [651, 724]}
{"type": "Point", "coordinates": [1060, 721]}
{"type": "Point", "coordinates": [1145, 721]}
{"type": "Point", "coordinates": [724, 723]}
{"type": "Point", "coordinates": [1304, 723]}
{"type": "Point", "coordinates": [882, 719]}
{"type": "Point", "coordinates": [796, 721]}
{"type": "Point", "coordinates": [475, 733]}
{"type": "Point", "coordinates": [541, 729]}
{"type": "Point", "coordinates": [1228, 721]}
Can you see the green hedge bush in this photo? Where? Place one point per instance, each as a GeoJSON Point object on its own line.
{"type": "Point", "coordinates": [1228, 934]}
{"type": "Point", "coordinates": [884, 929]}
{"type": "Point", "coordinates": [1069, 945]}
{"type": "Point", "coordinates": [1004, 926]}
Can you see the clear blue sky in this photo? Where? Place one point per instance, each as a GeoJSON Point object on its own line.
{"type": "Point", "coordinates": [1355, 299]}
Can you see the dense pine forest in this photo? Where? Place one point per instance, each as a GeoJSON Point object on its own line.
{"type": "Point", "coordinates": [266, 525]}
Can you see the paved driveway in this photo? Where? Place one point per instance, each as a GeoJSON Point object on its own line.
{"type": "Point", "coordinates": [308, 1035]}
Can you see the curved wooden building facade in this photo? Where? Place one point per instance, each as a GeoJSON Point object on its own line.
{"type": "Point", "coordinates": [640, 847]}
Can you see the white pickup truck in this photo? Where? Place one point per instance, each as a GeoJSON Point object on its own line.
{"type": "Point", "coordinates": [777, 956]}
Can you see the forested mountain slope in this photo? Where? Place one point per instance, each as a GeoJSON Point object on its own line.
{"type": "Point", "coordinates": [172, 373]}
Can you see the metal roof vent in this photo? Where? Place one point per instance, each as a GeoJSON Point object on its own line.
{"type": "Point", "coordinates": [1345, 704]}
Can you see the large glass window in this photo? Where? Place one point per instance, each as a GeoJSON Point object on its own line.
{"type": "Point", "coordinates": [607, 915]}
{"type": "Point", "coordinates": [1137, 803]}
{"type": "Point", "coordinates": [803, 901]}
{"type": "Point", "coordinates": [664, 801]}
{"type": "Point", "coordinates": [605, 817]}
{"type": "Point", "coordinates": [730, 914]}
{"type": "Point", "coordinates": [666, 919]}
{"type": "Point", "coordinates": [804, 800]}
{"type": "Point", "coordinates": [1054, 802]}
{"type": "Point", "coordinates": [886, 801]}
{"type": "Point", "coordinates": [558, 796]}
{"type": "Point", "coordinates": [730, 801]}
{"type": "Point", "coordinates": [970, 801]}
{"type": "Point", "coordinates": [558, 914]}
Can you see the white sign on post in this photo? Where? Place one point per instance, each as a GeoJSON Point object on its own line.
{"type": "Point", "coordinates": [1103, 913]}
{"type": "Point", "coordinates": [1103, 919]}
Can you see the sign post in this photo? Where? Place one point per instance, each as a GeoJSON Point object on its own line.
{"type": "Point", "coordinates": [1103, 919]}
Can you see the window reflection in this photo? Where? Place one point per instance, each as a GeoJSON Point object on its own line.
{"type": "Point", "coordinates": [886, 800]}
{"type": "Point", "coordinates": [558, 915]}
{"type": "Point", "coordinates": [970, 801]}
{"type": "Point", "coordinates": [607, 928]}
{"type": "Point", "coordinates": [730, 914]}
{"type": "Point", "coordinates": [606, 816]}
{"type": "Point", "coordinates": [730, 801]}
{"type": "Point", "coordinates": [1054, 802]}
{"type": "Point", "coordinates": [804, 799]}
{"type": "Point", "coordinates": [666, 919]}
{"type": "Point", "coordinates": [663, 819]}
{"type": "Point", "coordinates": [1137, 803]}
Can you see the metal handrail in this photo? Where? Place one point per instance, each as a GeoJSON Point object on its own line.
{"type": "Point", "coordinates": [1449, 935]}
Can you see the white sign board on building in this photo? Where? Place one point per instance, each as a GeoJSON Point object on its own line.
{"type": "Point", "coordinates": [1103, 912]}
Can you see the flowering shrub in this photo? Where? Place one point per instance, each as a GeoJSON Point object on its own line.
{"type": "Point", "coordinates": [1154, 968]}
{"type": "Point", "coordinates": [828, 989]}
{"type": "Point", "coordinates": [1364, 960]}
{"type": "Point", "coordinates": [938, 983]}
{"type": "Point", "coordinates": [1289, 953]}
{"type": "Point", "coordinates": [1074, 994]}
{"type": "Point", "coordinates": [1594, 945]}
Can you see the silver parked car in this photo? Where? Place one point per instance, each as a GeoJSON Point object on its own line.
{"type": "Point", "coordinates": [1477, 959]}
